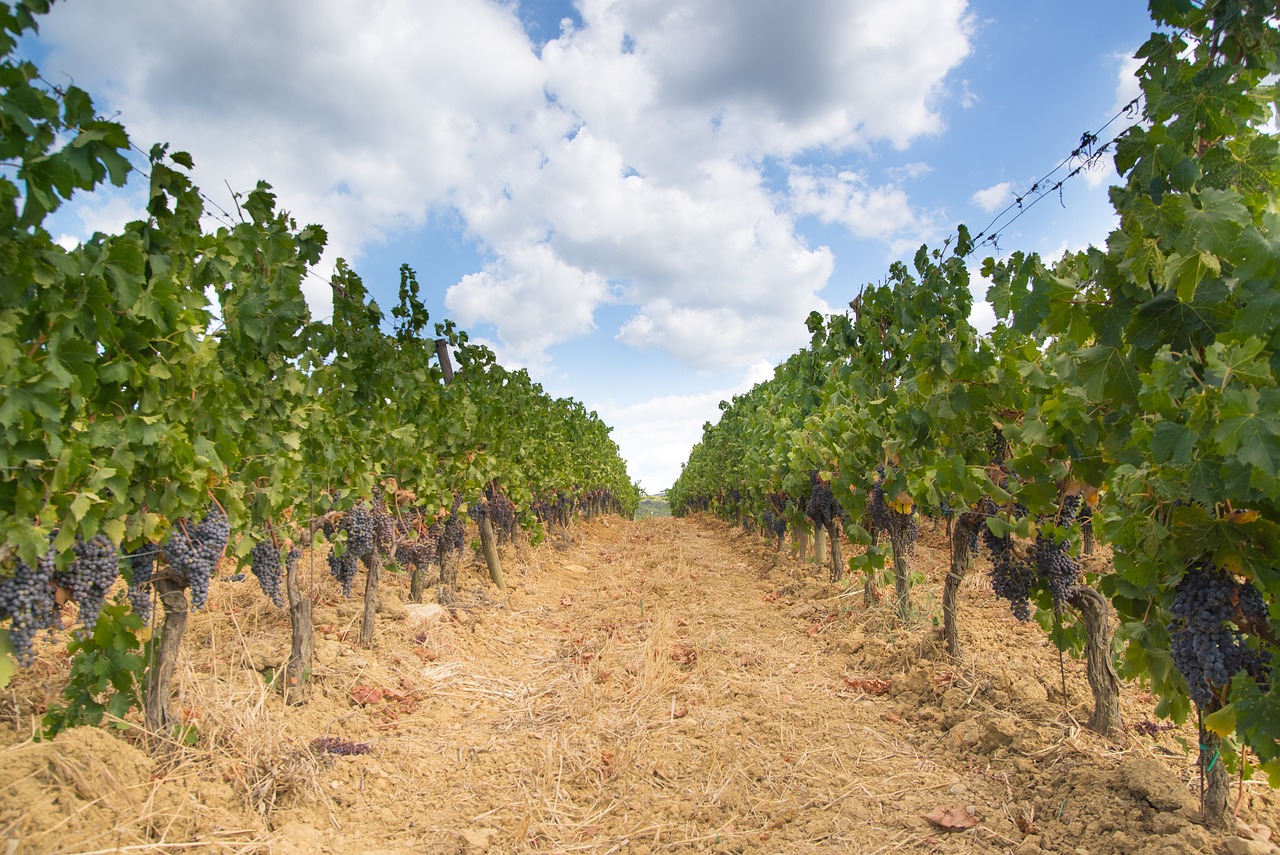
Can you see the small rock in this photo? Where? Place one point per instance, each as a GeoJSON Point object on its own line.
{"type": "Point", "coordinates": [1030, 845]}
{"type": "Point", "coordinates": [1168, 823]}
{"type": "Point", "coordinates": [478, 839]}
{"type": "Point", "coordinates": [954, 698]}
{"type": "Point", "coordinates": [262, 655]}
{"type": "Point", "coordinates": [424, 613]}
{"type": "Point", "coordinates": [999, 734]}
{"type": "Point", "coordinates": [1241, 846]}
{"type": "Point", "coordinates": [967, 733]}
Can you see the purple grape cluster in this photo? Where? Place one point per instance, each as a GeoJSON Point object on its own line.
{"type": "Point", "coordinates": [502, 513]}
{"type": "Point", "coordinates": [453, 534]}
{"type": "Point", "coordinates": [339, 746]}
{"type": "Point", "coordinates": [1151, 728]}
{"type": "Point", "coordinates": [361, 531]}
{"type": "Point", "coordinates": [1055, 567]}
{"type": "Point", "coordinates": [193, 552]}
{"type": "Point", "coordinates": [90, 575]}
{"type": "Point", "coordinates": [343, 567]}
{"type": "Point", "coordinates": [775, 524]}
{"type": "Point", "coordinates": [264, 561]}
{"type": "Point", "coordinates": [822, 506]}
{"type": "Point", "coordinates": [142, 565]}
{"type": "Point", "coordinates": [902, 527]}
{"type": "Point", "coordinates": [26, 598]}
{"type": "Point", "coordinates": [1207, 645]}
{"type": "Point", "coordinates": [384, 528]}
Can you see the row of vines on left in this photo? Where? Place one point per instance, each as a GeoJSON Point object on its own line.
{"type": "Point", "coordinates": [167, 399]}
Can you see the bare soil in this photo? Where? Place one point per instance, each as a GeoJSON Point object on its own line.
{"type": "Point", "coordinates": [664, 685]}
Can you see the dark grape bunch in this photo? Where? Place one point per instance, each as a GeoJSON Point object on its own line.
{"type": "Point", "coordinates": [502, 513]}
{"type": "Point", "coordinates": [775, 524]}
{"type": "Point", "coordinates": [339, 746]}
{"type": "Point", "coordinates": [361, 528]}
{"type": "Point", "coordinates": [1207, 645]}
{"type": "Point", "coordinates": [26, 598]}
{"type": "Point", "coordinates": [1151, 728]}
{"type": "Point", "coordinates": [343, 567]}
{"type": "Point", "coordinates": [384, 529]}
{"type": "Point", "coordinates": [264, 561]}
{"type": "Point", "coordinates": [822, 506]}
{"type": "Point", "coordinates": [90, 575]}
{"type": "Point", "coordinates": [884, 518]}
{"type": "Point", "coordinates": [361, 531]}
{"type": "Point", "coordinates": [142, 564]}
{"type": "Point", "coordinates": [1012, 576]}
{"type": "Point", "coordinates": [193, 554]}
{"type": "Point", "coordinates": [453, 535]}
{"type": "Point", "coordinates": [1055, 567]}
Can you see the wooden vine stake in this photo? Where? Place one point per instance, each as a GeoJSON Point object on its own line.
{"type": "Point", "coordinates": [297, 673]}
{"type": "Point", "coordinates": [173, 597]}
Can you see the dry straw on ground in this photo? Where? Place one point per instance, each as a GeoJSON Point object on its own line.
{"type": "Point", "coordinates": [658, 686]}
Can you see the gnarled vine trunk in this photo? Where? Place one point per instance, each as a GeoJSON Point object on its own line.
{"type": "Point", "coordinates": [961, 559]}
{"type": "Point", "coordinates": [901, 574]}
{"type": "Point", "coordinates": [800, 541]}
{"type": "Point", "coordinates": [1099, 666]}
{"type": "Point", "coordinates": [837, 560]}
{"type": "Point", "coordinates": [1214, 796]}
{"type": "Point", "coordinates": [415, 584]}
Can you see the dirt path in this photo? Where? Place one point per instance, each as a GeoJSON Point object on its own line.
{"type": "Point", "coordinates": [664, 685]}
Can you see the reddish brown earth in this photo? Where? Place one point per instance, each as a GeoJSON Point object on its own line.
{"type": "Point", "coordinates": [656, 686]}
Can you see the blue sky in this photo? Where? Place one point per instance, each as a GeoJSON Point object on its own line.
{"type": "Point", "coordinates": [638, 200]}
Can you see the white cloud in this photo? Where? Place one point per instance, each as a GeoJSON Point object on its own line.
{"type": "Point", "coordinates": [983, 315]}
{"type": "Point", "coordinates": [543, 299]}
{"type": "Point", "coordinates": [994, 197]}
{"type": "Point", "coordinates": [881, 212]}
{"type": "Point", "coordinates": [1103, 171]}
{"type": "Point", "coordinates": [622, 162]}
{"type": "Point", "coordinates": [655, 436]}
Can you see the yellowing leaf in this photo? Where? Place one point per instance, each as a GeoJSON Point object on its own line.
{"type": "Point", "coordinates": [1222, 722]}
{"type": "Point", "coordinates": [6, 660]}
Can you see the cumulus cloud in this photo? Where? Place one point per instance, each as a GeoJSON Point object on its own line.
{"type": "Point", "coordinates": [543, 299]}
{"type": "Point", "coordinates": [623, 161]}
{"type": "Point", "coordinates": [983, 315]}
{"type": "Point", "coordinates": [881, 212]}
{"type": "Point", "coordinates": [1104, 172]}
{"type": "Point", "coordinates": [993, 198]}
{"type": "Point", "coordinates": [655, 435]}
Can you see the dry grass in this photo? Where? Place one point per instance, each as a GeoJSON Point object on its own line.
{"type": "Point", "coordinates": [665, 686]}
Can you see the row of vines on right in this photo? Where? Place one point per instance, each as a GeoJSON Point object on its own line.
{"type": "Point", "coordinates": [1127, 392]}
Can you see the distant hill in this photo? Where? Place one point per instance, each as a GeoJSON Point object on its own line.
{"type": "Point", "coordinates": [653, 506]}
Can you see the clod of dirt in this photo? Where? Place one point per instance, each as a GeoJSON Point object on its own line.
{"type": "Point", "coordinates": [1150, 780]}
{"type": "Point", "coordinates": [390, 607]}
